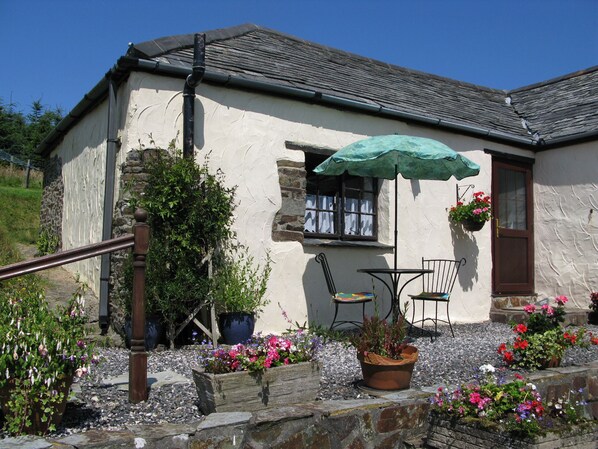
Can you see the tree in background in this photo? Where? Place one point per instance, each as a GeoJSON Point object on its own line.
{"type": "Point", "coordinates": [21, 134]}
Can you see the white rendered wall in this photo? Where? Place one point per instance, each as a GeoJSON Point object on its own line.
{"type": "Point", "coordinates": [245, 135]}
{"type": "Point", "coordinates": [566, 233]}
{"type": "Point", "coordinates": [83, 155]}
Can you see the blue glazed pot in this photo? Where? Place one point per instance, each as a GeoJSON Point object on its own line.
{"type": "Point", "coordinates": [153, 332]}
{"type": "Point", "coordinates": [236, 327]}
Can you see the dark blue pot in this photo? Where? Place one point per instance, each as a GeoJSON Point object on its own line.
{"type": "Point", "coordinates": [236, 327]}
{"type": "Point", "coordinates": [153, 332]}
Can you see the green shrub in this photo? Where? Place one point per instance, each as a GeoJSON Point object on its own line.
{"type": "Point", "coordinates": [190, 212]}
{"type": "Point", "coordinates": [47, 243]}
{"type": "Point", "coordinates": [40, 350]}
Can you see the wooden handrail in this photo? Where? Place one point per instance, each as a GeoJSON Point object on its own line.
{"type": "Point", "coordinates": [139, 241]}
{"type": "Point", "coordinates": [64, 257]}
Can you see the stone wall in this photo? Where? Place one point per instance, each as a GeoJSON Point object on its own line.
{"type": "Point", "coordinates": [52, 198]}
{"type": "Point", "coordinates": [397, 420]}
{"type": "Point", "coordinates": [133, 181]}
{"type": "Point", "coordinates": [290, 219]}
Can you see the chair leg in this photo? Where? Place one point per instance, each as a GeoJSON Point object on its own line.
{"type": "Point", "coordinates": [436, 319]}
{"type": "Point", "coordinates": [448, 318]}
{"type": "Point", "coordinates": [335, 314]}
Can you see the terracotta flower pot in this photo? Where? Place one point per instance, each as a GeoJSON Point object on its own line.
{"type": "Point", "coordinates": [471, 225]}
{"type": "Point", "coordinates": [383, 373]}
{"type": "Point", "coordinates": [37, 426]}
{"type": "Point", "coordinates": [552, 362]}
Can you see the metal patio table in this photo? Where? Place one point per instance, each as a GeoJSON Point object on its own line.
{"type": "Point", "coordinates": [393, 276]}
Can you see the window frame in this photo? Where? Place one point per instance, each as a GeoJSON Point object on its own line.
{"type": "Point", "coordinates": [339, 211]}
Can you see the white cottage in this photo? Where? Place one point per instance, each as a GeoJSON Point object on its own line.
{"type": "Point", "coordinates": [269, 107]}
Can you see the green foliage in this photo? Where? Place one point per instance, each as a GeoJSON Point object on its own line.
{"type": "Point", "coordinates": [381, 337]}
{"type": "Point", "coordinates": [21, 134]}
{"type": "Point", "coordinates": [515, 407]}
{"type": "Point", "coordinates": [190, 212]}
{"type": "Point", "coordinates": [478, 209]}
{"type": "Point", "coordinates": [40, 350]}
{"type": "Point", "coordinates": [47, 243]}
{"type": "Point", "coordinates": [239, 285]}
{"type": "Point", "coordinates": [541, 340]}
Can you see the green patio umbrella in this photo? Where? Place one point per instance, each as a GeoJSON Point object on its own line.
{"type": "Point", "coordinates": [387, 156]}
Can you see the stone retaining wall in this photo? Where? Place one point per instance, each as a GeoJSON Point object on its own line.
{"type": "Point", "coordinates": [396, 420]}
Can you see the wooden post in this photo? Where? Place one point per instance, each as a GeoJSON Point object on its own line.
{"type": "Point", "coordinates": [27, 173]}
{"type": "Point", "coordinates": [138, 356]}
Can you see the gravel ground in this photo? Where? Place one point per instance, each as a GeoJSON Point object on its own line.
{"type": "Point", "coordinates": [446, 361]}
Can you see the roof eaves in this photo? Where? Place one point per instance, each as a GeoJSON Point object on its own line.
{"type": "Point", "coordinates": [128, 63]}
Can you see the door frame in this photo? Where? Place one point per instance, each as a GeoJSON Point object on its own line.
{"type": "Point", "coordinates": [525, 165]}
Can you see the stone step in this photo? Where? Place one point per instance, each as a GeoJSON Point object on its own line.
{"type": "Point", "coordinates": [577, 317]}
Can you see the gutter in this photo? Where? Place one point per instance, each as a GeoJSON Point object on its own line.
{"type": "Point", "coordinates": [197, 73]}
{"type": "Point", "coordinates": [125, 64]}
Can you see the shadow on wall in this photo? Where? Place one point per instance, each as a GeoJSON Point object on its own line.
{"type": "Point", "coordinates": [344, 263]}
{"type": "Point", "coordinates": [465, 245]}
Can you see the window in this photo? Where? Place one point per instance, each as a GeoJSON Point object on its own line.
{"type": "Point", "coordinates": [339, 207]}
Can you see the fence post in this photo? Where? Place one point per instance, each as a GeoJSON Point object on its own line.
{"type": "Point", "coordinates": [27, 173]}
{"type": "Point", "coordinates": [138, 356]}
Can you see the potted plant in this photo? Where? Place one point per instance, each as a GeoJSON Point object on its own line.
{"type": "Point", "coordinates": [42, 352]}
{"type": "Point", "coordinates": [593, 315]}
{"type": "Point", "coordinates": [491, 412]}
{"type": "Point", "coordinates": [267, 370]}
{"type": "Point", "coordinates": [386, 359]}
{"type": "Point", "coordinates": [238, 290]}
{"type": "Point", "coordinates": [472, 215]}
{"type": "Point", "coordinates": [541, 342]}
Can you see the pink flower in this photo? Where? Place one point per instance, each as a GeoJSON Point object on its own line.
{"type": "Point", "coordinates": [476, 211]}
{"type": "Point", "coordinates": [548, 309]}
{"type": "Point", "coordinates": [561, 300]}
{"type": "Point", "coordinates": [530, 308]}
{"type": "Point", "coordinates": [287, 361]}
{"type": "Point", "coordinates": [474, 398]}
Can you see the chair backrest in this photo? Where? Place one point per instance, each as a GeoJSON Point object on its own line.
{"type": "Point", "coordinates": [442, 279]}
{"type": "Point", "coordinates": [321, 259]}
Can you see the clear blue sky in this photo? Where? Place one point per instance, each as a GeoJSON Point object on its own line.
{"type": "Point", "coordinates": [58, 50]}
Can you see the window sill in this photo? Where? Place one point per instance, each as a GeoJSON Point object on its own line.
{"type": "Point", "coordinates": [346, 243]}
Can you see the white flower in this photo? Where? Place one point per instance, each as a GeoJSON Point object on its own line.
{"type": "Point", "coordinates": [532, 386]}
{"type": "Point", "coordinates": [487, 369]}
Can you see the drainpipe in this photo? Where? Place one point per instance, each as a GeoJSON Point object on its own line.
{"type": "Point", "coordinates": [199, 68]}
{"type": "Point", "coordinates": [111, 149]}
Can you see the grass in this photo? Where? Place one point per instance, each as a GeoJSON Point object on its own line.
{"type": "Point", "coordinates": [19, 209]}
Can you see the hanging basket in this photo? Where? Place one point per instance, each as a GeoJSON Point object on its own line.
{"type": "Point", "coordinates": [472, 226]}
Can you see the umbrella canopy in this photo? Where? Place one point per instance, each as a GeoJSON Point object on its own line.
{"type": "Point", "coordinates": [387, 156]}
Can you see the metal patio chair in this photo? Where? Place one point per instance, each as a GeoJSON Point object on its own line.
{"type": "Point", "coordinates": [340, 298]}
{"type": "Point", "coordinates": [437, 287]}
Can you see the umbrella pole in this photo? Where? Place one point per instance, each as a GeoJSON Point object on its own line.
{"type": "Point", "coordinates": [396, 214]}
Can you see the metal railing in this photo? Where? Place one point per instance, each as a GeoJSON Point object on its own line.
{"type": "Point", "coordinates": [139, 242]}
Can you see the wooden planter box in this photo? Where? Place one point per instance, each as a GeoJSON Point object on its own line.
{"type": "Point", "coordinates": [443, 434]}
{"type": "Point", "coordinates": [245, 391]}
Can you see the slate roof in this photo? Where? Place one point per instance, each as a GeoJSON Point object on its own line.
{"type": "Point", "coordinates": [248, 56]}
{"type": "Point", "coordinates": [257, 53]}
{"type": "Point", "coordinates": [563, 107]}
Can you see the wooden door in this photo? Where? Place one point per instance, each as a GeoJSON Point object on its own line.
{"type": "Point", "coordinates": [512, 227]}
